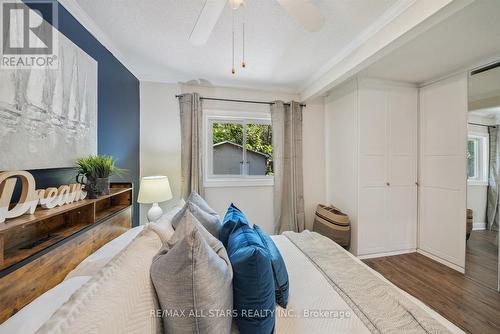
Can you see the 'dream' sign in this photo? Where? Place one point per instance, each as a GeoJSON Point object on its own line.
{"type": "Point", "coordinates": [30, 197]}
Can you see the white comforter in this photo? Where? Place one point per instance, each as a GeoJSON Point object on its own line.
{"type": "Point", "coordinates": [310, 290]}
{"type": "Point", "coordinates": [314, 306]}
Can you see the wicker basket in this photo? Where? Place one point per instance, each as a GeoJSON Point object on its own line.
{"type": "Point", "coordinates": [332, 223]}
{"type": "Point", "coordinates": [469, 223]}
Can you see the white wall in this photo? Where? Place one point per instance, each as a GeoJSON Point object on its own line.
{"type": "Point", "coordinates": [341, 153]}
{"type": "Point", "coordinates": [476, 201]}
{"type": "Point", "coordinates": [160, 150]}
{"type": "Point", "coordinates": [313, 133]}
{"type": "Point", "coordinates": [160, 147]}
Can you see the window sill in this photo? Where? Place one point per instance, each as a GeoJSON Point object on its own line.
{"type": "Point", "coordinates": [250, 182]}
{"type": "Point", "coordinates": [477, 183]}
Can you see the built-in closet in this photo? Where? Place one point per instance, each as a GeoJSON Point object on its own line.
{"type": "Point", "coordinates": [371, 144]}
{"type": "Point", "coordinates": [443, 170]}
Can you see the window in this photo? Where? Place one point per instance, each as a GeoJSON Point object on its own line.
{"type": "Point", "coordinates": [477, 158]}
{"type": "Point", "coordinates": [238, 151]}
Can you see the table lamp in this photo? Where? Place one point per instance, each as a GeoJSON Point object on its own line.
{"type": "Point", "coordinates": [153, 190]}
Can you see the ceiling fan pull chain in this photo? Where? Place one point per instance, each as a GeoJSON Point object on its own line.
{"type": "Point", "coordinates": [243, 63]}
{"type": "Point", "coordinates": [233, 71]}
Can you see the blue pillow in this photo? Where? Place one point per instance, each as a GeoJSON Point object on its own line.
{"type": "Point", "coordinates": [231, 219]}
{"type": "Point", "coordinates": [279, 268]}
{"type": "Point", "coordinates": [253, 282]}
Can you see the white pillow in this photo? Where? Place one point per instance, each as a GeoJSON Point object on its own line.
{"type": "Point", "coordinates": [119, 299]}
{"type": "Point", "coordinates": [163, 226]}
{"type": "Point", "coordinates": [166, 218]}
{"type": "Point", "coordinates": [163, 232]}
{"type": "Point", "coordinates": [95, 262]}
{"type": "Point", "coordinates": [31, 317]}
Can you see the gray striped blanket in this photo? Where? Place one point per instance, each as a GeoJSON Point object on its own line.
{"type": "Point", "coordinates": [381, 307]}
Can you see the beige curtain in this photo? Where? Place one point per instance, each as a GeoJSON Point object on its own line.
{"type": "Point", "coordinates": [191, 146]}
{"type": "Point", "coordinates": [492, 199]}
{"type": "Point", "coordinates": [287, 158]}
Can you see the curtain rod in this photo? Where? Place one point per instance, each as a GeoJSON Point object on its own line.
{"type": "Point", "coordinates": [239, 101]}
{"type": "Point", "coordinates": [488, 126]}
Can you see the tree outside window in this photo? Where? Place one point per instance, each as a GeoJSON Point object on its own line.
{"type": "Point", "coordinates": [242, 148]}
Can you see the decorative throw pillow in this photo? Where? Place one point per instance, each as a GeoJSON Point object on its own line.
{"type": "Point", "coordinates": [195, 198]}
{"type": "Point", "coordinates": [192, 277]}
{"type": "Point", "coordinates": [166, 218]}
{"type": "Point", "coordinates": [209, 221]}
{"type": "Point", "coordinates": [118, 299]}
{"type": "Point", "coordinates": [253, 281]}
{"type": "Point", "coordinates": [231, 219]}
{"type": "Point", "coordinates": [164, 231]}
{"type": "Point", "coordinates": [163, 226]}
{"type": "Point", "coordinates": [279, 268]}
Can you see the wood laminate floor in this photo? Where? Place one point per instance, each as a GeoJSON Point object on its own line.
{"type": "Point", "coordinates": [471, 306]}
{"type": "Point", "coordinates": [481, 259]}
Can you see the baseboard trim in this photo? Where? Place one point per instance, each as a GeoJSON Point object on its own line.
{"type": "Point", "coordinates": [442, 261]}
{"type": "Point", "coordinates": [478, 226]}
{"type": "Point", "coordinates": [393, 253]}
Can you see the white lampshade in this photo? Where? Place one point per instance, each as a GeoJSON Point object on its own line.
{"type": "Point", "coordinates": [154, 189]}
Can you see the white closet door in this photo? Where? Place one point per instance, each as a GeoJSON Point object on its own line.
{"type": "Point", "coordinates": [442, 191]}
{"type": "Point", "coordinates": [373, 224]}
{"type": "Point", "coordinates": [402, 167]}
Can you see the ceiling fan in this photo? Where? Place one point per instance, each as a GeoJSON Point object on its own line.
{"type": "Point", "coordinates": [304, 11]}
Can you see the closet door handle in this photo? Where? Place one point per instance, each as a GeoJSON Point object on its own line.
{"type": "Point", "coordinates": [388, 184]}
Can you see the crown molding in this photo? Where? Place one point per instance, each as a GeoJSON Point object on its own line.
{"type": "Point", "coordinates": [170, 79]}
{"type": "Point", "coordinates": [88, 23]}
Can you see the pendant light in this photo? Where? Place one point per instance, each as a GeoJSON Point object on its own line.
{"type": "Point", "coordinates": [233, 71]}
{"type": "Point", "coordinates": [243, 62]}
{"type": "Point", "coordinates": [235, 4]}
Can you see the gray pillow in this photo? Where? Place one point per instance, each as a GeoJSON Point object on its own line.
{"type": "Point", "coordinates": [200, 202]}
{"type": "Point", "coordinates": [192, 277]}
{"type": "Point", "coordinates": [210, 222]}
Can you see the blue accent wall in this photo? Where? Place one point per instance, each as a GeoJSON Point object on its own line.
{"type": "Point", "coordinates": [118, 109]}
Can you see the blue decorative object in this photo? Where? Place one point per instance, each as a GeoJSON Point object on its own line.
{"type": "Point", "coordinates": [253, 281]}
{"type": "Point", "coordinates": [279, 268]}
{"type": "Point", "coordinates": [231, 219]}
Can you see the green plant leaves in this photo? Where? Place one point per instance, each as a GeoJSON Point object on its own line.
{"type": "Point", "coordinates": [98, 166]}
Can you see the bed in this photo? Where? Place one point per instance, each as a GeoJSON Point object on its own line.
{"type": "Point", "coordinates": [331, 291]}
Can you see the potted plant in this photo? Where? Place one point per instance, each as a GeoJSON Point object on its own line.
{"type": "Point", "coordinates": [94, 172]}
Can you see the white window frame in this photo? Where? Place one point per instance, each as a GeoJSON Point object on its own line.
{"type": "Point", "coordinates": [209, 179]}
{"type": "Point", "coordinates": [482, 158]}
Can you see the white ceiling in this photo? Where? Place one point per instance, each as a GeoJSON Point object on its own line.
{"type": "Point", "coordinates": [492, 113]}
{"type": "Point", "coordinates": [484, 85]}
{"type": "Point", "coordinates": [153, 37]}
{"type": "Point", "coordinates": [468, 38]}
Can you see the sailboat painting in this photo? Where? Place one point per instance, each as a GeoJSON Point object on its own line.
{"type": "Point", "coordinates": [48, 117]}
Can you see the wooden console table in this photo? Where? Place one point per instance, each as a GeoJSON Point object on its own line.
{"type": "Point", "coordinates": [38, 251]}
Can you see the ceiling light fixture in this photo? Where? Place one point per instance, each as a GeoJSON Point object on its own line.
{"type": "Point", "coordinates": [303, 12]}
{"type": "Point", "coordinates": [233, 71]}
{"type": "Point", "coordinates": [235, 5]}
{"type": "Point", "coordinates": [243, 63]}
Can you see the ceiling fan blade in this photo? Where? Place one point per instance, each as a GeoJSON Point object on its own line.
{"type": "Point", "coordinates": [206, 21]}
{"type": "Point", "coordinates": [305, 12]}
